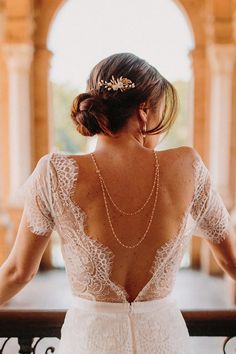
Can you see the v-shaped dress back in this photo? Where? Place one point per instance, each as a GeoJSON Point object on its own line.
{"type": "Point", "coordinates": [88, 263]}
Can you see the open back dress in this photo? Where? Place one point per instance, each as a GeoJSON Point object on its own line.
{"type": "Point", "coordinates": [100, 319]}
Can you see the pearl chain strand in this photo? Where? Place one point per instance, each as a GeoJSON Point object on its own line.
{"type": "Point", "coordinates": [145, 203]}
{"type": "Point", "coordinates": [108, 214]}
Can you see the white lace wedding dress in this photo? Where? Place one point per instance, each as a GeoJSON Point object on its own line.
{"type": "Point", "coordinates": [101, 320]}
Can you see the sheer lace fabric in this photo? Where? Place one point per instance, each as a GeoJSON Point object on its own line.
{"type": "Point", "coordinates": [209, 211]}
{"type": "Point", "coordinates": [88, 263]}
{"type": "Point", "coordinates": [49, 206]}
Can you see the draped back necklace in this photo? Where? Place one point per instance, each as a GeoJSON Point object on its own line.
{"type": "Point", "coordinates": [105, 189]}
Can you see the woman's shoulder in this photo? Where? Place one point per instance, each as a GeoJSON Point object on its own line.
{"type": "Point", "coordinates": [181, 151]}
{"type": "Point", "coordinates": [61, 166]}
{"type": "Point", "coordinates": [178, 154]}
{"type": "Point", "coordinates": [179, 167]}
{"type": "Point", "coordinates": [181, 157]}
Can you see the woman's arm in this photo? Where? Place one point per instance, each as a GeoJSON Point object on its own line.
{"type": "Point", "coordinates": [225, 252]}
{"type": "Point", "coordinates": [213, 221]}
{"type": "Point", "coordinates": [23, 261]}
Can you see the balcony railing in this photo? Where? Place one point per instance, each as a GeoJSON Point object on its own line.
{"type": "Point", "coordinates": [26, 325]}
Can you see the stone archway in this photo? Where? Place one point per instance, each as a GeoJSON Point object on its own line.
{"type": "Point", "coordinates": [199, 16]}
{"type": "Point", "coordinates": [42, 59]}
{"type": "Point", "coordinates": [192, 12]}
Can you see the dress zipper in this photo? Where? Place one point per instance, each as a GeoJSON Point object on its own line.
{"type": "Point", "coordinates": [131, 326]}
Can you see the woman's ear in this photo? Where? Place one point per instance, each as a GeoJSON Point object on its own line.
{"type": "Point", "coordinates": [143, 111]}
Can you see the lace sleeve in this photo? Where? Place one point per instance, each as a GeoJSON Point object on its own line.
{"type": "Point", "coordinates": [36, 193]}
{"type": "Point", "coordinates": [208, 210]}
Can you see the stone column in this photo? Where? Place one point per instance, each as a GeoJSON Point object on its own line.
{"type": "Point", "coordinates": [19, 59]}
{"type": "Point", "coordinates": [221, 59]}
{"type": "Point", "coordinates": [201, 101]}
{"type": "Point", "coordinates": [200, 125]}
{"type": "Point", "coordinates": [42, 121]}
{"type": "Point", "coordinates": [43, 125]}
{"type": "Point", "coordinates": [231, 285]}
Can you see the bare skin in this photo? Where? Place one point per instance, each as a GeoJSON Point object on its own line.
{"type": "Point", "coordinates": [126, 163]}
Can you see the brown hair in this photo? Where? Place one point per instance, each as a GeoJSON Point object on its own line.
{"type": "Point", "coordinates": [102, 111]}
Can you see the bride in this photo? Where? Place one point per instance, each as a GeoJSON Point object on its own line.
{"type": "Point", "coordinates": [125, 215]}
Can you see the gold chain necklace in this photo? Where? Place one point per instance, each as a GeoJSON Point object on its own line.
{"type": "Point", "coordinates": [107, 209]}
{"type": "Point", "coordinates": [115, 205]}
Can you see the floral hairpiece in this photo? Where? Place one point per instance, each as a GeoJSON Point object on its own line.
{"type": "Point", "coordinates": [121, 83]}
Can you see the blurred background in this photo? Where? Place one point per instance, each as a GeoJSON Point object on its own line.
{"type": "Point", "coordinates": [48, 48]}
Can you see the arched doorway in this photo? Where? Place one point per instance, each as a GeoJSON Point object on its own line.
{"type": "Point", "coordinates": [155, 40]}
{"type": "Point", "coordinates": [192, 13]}
{"type": "Point", "coordinates": [162, 45]}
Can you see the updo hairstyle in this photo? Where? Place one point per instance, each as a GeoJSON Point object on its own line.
{"type": "Point", "coordinates": [102, 111]}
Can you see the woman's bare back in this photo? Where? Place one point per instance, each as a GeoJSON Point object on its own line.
{"type": "Point", "coordinates": [129, 181]}
{"type": "Point", "coordinates": [64, 193]}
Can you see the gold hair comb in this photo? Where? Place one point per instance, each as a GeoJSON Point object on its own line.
{"type": "Point", "coordinates": [121, 83]}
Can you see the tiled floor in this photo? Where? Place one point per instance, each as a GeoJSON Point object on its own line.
{"type": "Point", "coordinates": [193, 290]}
